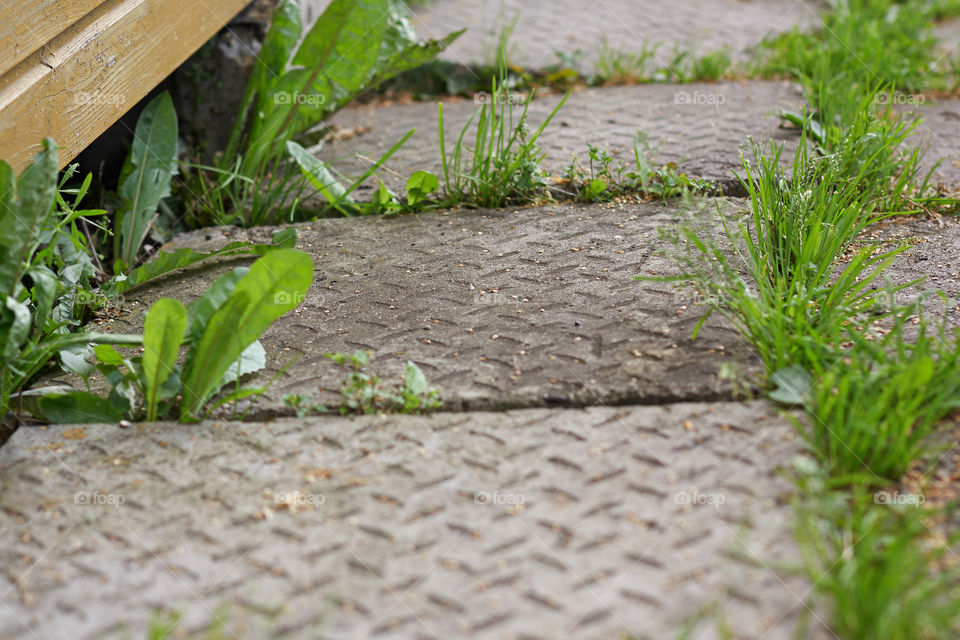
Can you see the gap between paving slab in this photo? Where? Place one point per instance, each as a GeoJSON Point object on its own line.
{"type": "Point", "coordinates": [700, 126]}
{"type": "Point", "coordinates": [541, 523]}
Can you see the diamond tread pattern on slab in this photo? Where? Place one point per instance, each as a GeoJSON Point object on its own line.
{"type": "Point", "coordinates": [542, 28]}
{"type": "Point", "coordinates": [939, 135]}
{"type": "Point", "coordinates": [699, 126]}
{"type": "Point", "coordinates": [542, 523]}
{"type": "Point", "coordinates": [511, 308]}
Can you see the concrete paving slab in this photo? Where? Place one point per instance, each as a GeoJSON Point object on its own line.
{"type": "Point", "coordinates": [939, 134]}
{"type": "Point", "coordinates": [526, 524]}
{"type": "Point", "coordinates": [544, 28]}
{"type": "Point", "coordinates": [501, 309]}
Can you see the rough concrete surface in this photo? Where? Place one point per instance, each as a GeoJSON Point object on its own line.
{"type": "Point", "coordinates": [939, 134]}
{"type": "Point", "coordinates": [545, 523]}
{"type": "Point", "coordinates": [509, 308]}
{"type": "Point", "coordinates": [543, 28]}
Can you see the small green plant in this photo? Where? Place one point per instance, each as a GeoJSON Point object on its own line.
{"type": "Point", "coordinates": [685, 66]}
{"type": "Point", "coordinates": [220, 331]}
{"type": "Point", "coordinates": [712, 66]}
{"type": "Point", "coordinates": [504, 167]}
{"type": "Point", "coordinates": [365, 393]}
{"type": "Point", "coordinates": [301, 405]}
{"type": "Point", "coordinates": [145, 180]}
{"type": "Point", "coordinates": [45, 272]}
{"type": "Point", "coordinates": [608, 178]}
{"type": "Point", "coordinates": [665, 181]}
{"type": "Point", "coordinates": [299, 80]}
{"type": "Point", "coordinates": [618, 67]}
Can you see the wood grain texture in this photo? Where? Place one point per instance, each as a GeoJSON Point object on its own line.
{"type": "Point", "coordinates": [90, 74]}
{"type": "Point", "coordinates": [27, 25]}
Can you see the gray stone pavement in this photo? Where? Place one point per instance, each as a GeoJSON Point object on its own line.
{"type": "Point", "coordinates": [510, 308]}
{"type": "Point", "coordinates": [939, 135]}
{"type": "Point", "coordinates": [569, 25]}
{"type": "Point", "coordinates": [700, 126]}
{"type": "Point", "coordinates": [544, 523]}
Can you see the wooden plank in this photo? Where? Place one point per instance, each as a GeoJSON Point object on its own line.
{"type": "Point", "coordinates": [92, 73]}
{"type": "Point", "coordinates": [27, 25]}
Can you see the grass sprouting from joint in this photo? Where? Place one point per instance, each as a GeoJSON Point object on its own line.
{"type": "Point", "coordinates": [874, 374]}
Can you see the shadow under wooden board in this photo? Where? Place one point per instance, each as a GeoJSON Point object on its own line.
{"type": "Point", "coordinates": [70, 68]}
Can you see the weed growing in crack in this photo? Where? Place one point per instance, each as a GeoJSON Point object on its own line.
{"type": "Point", "coordinates": [809, 281]}
{"type": "Point", "coordinates": [365, 393]}
{"type": "Point", "coordinates": [608, 178]}
{"type": "Point", "coordinates": [615, 66]}
{"type": "Point", "coordinates": [504, 163]}
{"type": "Point", "coordinates": [798, 282]}
{"type": "Point", "coordinates": [301, 78]}
{"type": "Point", "coordinates": [872, 414]}
{"type": "Point", "coordinates": [882, 570]}
{"type": "Point", "coordinates": [862, 43]}
{"type": "Point", "coordinates": [220, 331]}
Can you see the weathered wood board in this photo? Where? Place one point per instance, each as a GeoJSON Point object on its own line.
{"type": "Point", "coordinates": [91, 61]}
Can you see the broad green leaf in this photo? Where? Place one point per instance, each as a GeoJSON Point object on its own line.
{"type": "Point", "coordinates": [78, 407]}
{"type": "Point", "coordinates": [72, 360]}
{"type": "Point", "coordinates": [398, 35]}
{"type": "Point", "coordinates": [79, 263]}
{"type": "Point", "coordinates": [150, 166]}
{"type": "Point", "coordinates": [202, 309]}
{"type": "Point", "coordinates": [24, 205]}
{"type": "Point", "coordinates": [285, 239]}
{"type": "Point", "coordinates": [318, 174]}
{"type": "Point", "coordinates": [335, 60]}
{"type": "Point", "coordinates": [411, 56]}
{"type": "Point", "coordinates": [269, 70]}
{"type": "Point", "coordinates": [252, 359]}
{"type": "Point", "coordinates": [44, 293]}
{"type": "Point", "coordinates": [420, 185]}
{"type": "Point", "coordinates": [162, 335]}
{"type": "Point", "coordinates": [274, 285]}
{"type": "Point", "coordinates": [279, 43]}
{"type": "Point", "coordinates": [793, 385]}
{"type": "Point", "coordinates": [14, 328]}
{"type": "Point", "coordinates": [166, 262]}
{"type": "Point", "coordinates": [596, 187]}
{"type": "Point", "coordinates": [108, 354]}
{"type": "Point", "coordinates": [343, 45]}
{"type": "Point", "coordinates": [414, 380]}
